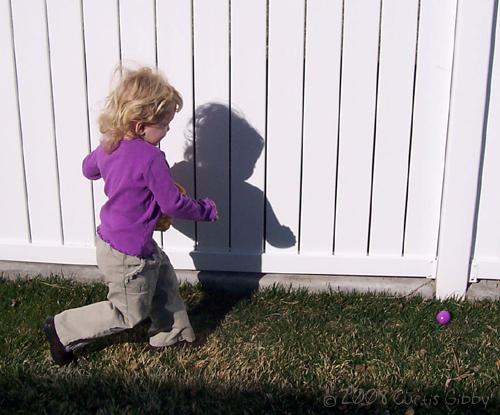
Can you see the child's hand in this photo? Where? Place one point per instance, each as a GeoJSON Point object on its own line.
{"type": "Point", "coordinates": [181, 188]}
{"type": "Point", "coordinates": [164, 222]}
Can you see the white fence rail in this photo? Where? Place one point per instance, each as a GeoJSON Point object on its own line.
{"type": "Point", "coordinates": [322, 129]}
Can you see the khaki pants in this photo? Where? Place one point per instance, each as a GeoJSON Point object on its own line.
{"type": "Point", "coordinates": [137, 288]}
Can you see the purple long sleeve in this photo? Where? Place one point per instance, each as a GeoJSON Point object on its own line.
{"type": "Point", "coordinates": [139, 188]}
{"type": "Point", "coordinates": [89, 167]}
{"type": "Point", "coordinates": [171, 201]}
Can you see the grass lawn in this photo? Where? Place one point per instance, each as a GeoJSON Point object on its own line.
{"type": "Point", "coordinates": [277, 351]}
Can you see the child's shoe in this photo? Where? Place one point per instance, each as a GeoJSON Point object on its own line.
{"type": "Point", "coordinates": [194, 342]}
{"type": "Point", "coordinates": [58, 352]}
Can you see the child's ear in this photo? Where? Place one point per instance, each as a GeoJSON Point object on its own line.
{"type": "Point", "coordinates": [139, 128]}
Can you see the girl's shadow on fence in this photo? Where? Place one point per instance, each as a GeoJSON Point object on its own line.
{"type": "Point", "coordinates": [224, 163]}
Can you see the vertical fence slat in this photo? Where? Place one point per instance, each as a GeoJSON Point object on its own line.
{"type": "Point", "coordinates": [248, 117]}
{"type": "Point", "coordinates": [102, 56]}
{"type": "Point", "coordinates": [70, 106]}
{"type": "Point", "coordinates": [37, 120]}
{"type": "Point", "coordinates": [430, 118]}
{"type": "Point", "coordinates": [175, 60]}
{"type": "Point", "coordinates": [14, 219]}
{"type": "Point", "coordinates": [211, 59]}
{"type": "Point", "coordinates": [286, 54]}
{"type": "Point", "coordinates": [471, 65]}
{"type": "Point", "coordinates": [138, 41]}
{"type": "Point", "coordinates": [488, 227]}
{"type": "Point", "coordinates": [394, 110]}
{"type": "Point", "coordinates": [137, 28]}
{"type": "Point", "coordinates": [357, 116]}
{"type": "Point", "coordinates": [322, 86]}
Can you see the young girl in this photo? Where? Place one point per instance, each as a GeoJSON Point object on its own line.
{"type": "Point", "coordinates": [141, 281]}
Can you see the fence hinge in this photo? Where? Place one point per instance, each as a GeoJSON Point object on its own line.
{"type": "Point", "coordinates": [432, 275]}
{"type": "Point", "coordinates": [474, 270]}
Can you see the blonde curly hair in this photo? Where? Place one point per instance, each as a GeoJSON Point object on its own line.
{"type": "Point", "coordinates": [142, 95]}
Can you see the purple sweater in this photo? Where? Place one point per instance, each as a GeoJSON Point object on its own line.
{"type": "Point", "coordinates": [139, 188]}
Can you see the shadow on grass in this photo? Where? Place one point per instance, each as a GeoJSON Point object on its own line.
{"type": "Point", "coordinates": [72, 392]}
{"type": "Point", "coordinates": [205, 316]}
{"type": "Point", "coordinates": [213, 307]}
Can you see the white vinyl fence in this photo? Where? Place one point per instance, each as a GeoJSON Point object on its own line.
{"type": "Point", "coordinates": [348, 137]}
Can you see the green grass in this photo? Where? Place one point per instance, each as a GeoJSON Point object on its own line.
{"type": "Point", "coordinates": [277, 351]}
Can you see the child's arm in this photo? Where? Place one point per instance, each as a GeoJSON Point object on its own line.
{"type": "Point", "coordinates": [90, 168]}
{"type": "Point", "coordinates": [172, 202]}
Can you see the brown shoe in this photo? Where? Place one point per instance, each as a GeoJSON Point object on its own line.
{"type": "Point", "coordinates": [59, 354]}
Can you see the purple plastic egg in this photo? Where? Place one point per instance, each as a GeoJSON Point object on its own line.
{"type": "Point", "coordinates": [443, 317]}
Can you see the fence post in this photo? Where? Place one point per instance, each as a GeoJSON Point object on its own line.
{"type": "Point", "coordinates": [466, 131]}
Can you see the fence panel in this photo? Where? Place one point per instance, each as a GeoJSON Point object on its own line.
{"type": "Point", "coordinates": [248, 125]}
{"type": "Point", "coordinates": [176, 61]}
{"type": "Point", "coordinates": [102, 54]}
{"type": "Point", "coordinates": [14, 217]}
{"type": "Point", "coordinates": [70, 115]}
{"type": "Point", "coordinates": [430, 118]}
{"type": "Point", "coordinates": [393, 125]}
{"type": "Point", "coordinates": [138, 31]}
{"type": "Point", "coordinates": [318, 127]}
{"type": "Point", "coordinates": [285, 79]}
{"type": "Point", "coordinates": [138, 41]}
{"type": "Point", "coordinates": [211, 130]}
{"type": "Point", "coordinates": [357, 120]}
{"type": "Point", "coordinates": [321, 111]}
{"type": "Point", "coordinates": [486, 260]}
{"type": "Point", "coordinates": [37, 120]}
{"type": "Point", "coordinates": [468, 106]}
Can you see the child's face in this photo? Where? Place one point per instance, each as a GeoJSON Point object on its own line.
{"type": "Point", "coordinates": [153, 133]}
